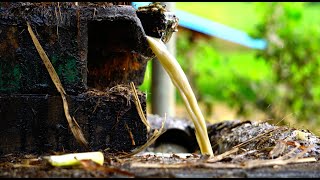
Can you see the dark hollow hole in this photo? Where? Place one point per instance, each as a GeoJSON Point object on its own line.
{"type": "Point", "coordinates": [178, 137]}
{"type": "Point", "coordinates": [110, 43]}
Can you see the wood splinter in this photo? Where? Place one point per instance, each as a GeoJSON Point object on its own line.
{"type": "Point", "coordinates": [130, 135]}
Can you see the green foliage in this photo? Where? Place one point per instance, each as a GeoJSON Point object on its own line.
{"type": "Point", "coordinates": [146, 84]}
{"type": "Point", "coordinates": [219, 77]}
{"type": "Point", "coordinates": [283, 78]}
{"type": "Point", "coordinates": [293, 53]}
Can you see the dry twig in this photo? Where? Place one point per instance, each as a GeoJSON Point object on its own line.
{"type": "Point", "coordinates": [222, 156]}
{"type": "Point", "coordinates": [139, 108]}
{"type": "Point", "coordinates": [151, 140]}
{"type": "Point", "coordinates": [280, 160]}
{"type": "Point", "coordinates": [256, 137]}
{"type": "Point", "coordinates": [74, 126]}
{"type": "Point", "coordinates": [130, 134]}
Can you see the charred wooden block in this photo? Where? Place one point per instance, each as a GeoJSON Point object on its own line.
{"type": "Point", "coordinates": [89, 46]}
{"type": "Point", "coordinates": [37, 124]}
{"type": "Point", "coordinates": [157, 22]}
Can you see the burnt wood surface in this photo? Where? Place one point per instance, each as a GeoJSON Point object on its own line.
{"type": "Point", "coordinates": [93, 46]}
{"type": "Point", "coordinates": [37, 123]}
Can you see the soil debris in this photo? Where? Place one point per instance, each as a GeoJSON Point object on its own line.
{"type": "Point", "coordinates": [243, 149]}
{"type": "Point", "coordinates": [261, 140]}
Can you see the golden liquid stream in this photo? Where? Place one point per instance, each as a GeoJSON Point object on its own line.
{"type": "Point", "coordinates": [179, 79]}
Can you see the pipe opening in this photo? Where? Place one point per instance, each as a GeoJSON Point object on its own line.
{"type": "Point", "coordinates": [112, 58]}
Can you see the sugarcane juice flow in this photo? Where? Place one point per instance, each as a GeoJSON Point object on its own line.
{"type": "Point", "coordinates": [180, 80]}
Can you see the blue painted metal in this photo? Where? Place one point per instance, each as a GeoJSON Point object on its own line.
{"type": "Point", "coordinates": [138, 4]}
{"type": "Point", "coordinates": [205, 26]}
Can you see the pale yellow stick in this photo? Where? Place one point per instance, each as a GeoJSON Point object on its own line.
{"type": "Point", "coordinates": [179, 78]}
{"type": "Point", "coordinates": [74, 158]}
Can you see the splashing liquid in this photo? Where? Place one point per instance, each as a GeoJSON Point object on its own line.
{"type": "Point", "coordinates": [180, 80]}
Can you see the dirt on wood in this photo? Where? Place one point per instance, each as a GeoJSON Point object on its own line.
{"type": "Point", "coordinates": [152, 165]}
{"type": "Point", "coordinates": [242, 149]}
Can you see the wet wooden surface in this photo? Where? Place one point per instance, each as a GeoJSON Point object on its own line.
{"type": "Point", "coordinates": [15, 166]}
{"type": "Point", "coordinates": [305, 170]}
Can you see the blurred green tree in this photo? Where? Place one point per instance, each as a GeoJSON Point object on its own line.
{"type": "Point", "coordinates": [293, 52]}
